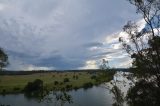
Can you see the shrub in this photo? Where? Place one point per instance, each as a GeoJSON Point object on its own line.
{"type": "Point", "coordinates": [75, 88]}
{"type": "Point", "coordinates": [3, 91]}
{"type": "Point", "coordinates": [16, 88]}
{"type": "Point", "coordinates": [76, 77]}
{"type": "Point", "coordinates": [68, 86]}
{"type": "Point", "coordinates": [34, 86]}
{"type": "Point", "coordinates": [56, 82]}
{"type": "Point", "coordinates": [93, 77]}
{"type": "Point", "coordinates": [61, 83]}
{"type": "Point", "coordinates": [66, 80]}
{"type": "Point", "coordinates": [87, 85]}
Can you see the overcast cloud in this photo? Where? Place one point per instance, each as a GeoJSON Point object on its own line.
{"type": "Point", "coordinates": [63, 34]}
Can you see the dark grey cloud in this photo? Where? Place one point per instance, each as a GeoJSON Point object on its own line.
{"type": "Point", "coordinates": [60, 63]}
{"type": "Point", "coordinates": [62, 34]}
{"type": "Point", "coordinates": [93, 44]}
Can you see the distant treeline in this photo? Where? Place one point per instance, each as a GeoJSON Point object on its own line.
{"type": "Point", "coordinates": [9, 72]}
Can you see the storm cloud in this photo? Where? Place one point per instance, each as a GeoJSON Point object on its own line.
{"type": "Point", "coordinates": [63, 34]}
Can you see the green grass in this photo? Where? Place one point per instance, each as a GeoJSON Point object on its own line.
{"type": "Point", "coordinates": [16, 83]}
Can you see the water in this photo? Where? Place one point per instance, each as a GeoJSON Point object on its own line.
{"type": "Point", "coordinates": [95, 96]}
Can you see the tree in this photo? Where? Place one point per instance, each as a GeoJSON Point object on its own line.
{"type": "Point", "coordinates": [3, 59]}
{"type": "Point", "coordinates": [104, 64]}
{"type": "Point", "coordinates": [143, 45]}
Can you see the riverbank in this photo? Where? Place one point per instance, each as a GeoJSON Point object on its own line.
{"type": "Point", "coordinates": [54, 80]}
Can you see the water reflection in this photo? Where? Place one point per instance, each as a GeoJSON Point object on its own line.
{"type": "Point", "coordinates": [95, 96]}
{"type": "Point", "coordinates": [59, 98]}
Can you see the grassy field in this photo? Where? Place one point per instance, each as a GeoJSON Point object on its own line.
{"type": "Point", "coordinates": [16, 83]}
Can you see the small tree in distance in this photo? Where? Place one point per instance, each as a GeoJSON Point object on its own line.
{"type": "Point", "coordinates": [3, 59]}
{"type": "Point", "coordinates": [104, 65]}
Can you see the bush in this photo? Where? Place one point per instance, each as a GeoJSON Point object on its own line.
{"type": "Point", "coordinates": [68, 87]}
{"type": "Point", "coordinates": [76, 77]}
{"type": "Point", "coordinates": [61, 83]}
{"type": "Point", "coordinates": [37, 85]}
{"type": "Point", "coordinates": [75, 88]}
{"type": "Point", "coordinates": [56, 82]}
{"type": "Point", "coordinates": [93, 77]}
{"type": "Point", "coordinates": [66, 80]}
{"type": "Point", "coordinates": [87, 85]}
{"type": "Point", "coordinates": [3, 91]}
{"type": "Point", "coordinates": [16, 88]}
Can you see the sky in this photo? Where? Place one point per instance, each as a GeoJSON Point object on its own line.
{"type": "Point", "coordinates": [64, 34]}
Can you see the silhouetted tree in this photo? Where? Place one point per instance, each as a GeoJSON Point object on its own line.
{"type": "Point", "coordinates": [144, 48]}
{"type": "Point", "coordinates": [144, 45]}
{"type": "Point", "coordinates": [3, 59]}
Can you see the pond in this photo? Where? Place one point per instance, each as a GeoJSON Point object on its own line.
{"type": "Point", "coordinates": [95, 96]}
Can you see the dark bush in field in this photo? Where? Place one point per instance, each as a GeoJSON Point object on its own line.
{"type": "Point", "coordinates": [93, 77]}
{"type": "Point", "coordinates": [68, 87]}
{"type": "Point", "coordinates": [87, 85]}
{"type": "Point", "coordinates": [75, 88]}
{"type": "Point", "coordinates": [66, 80]}
{"type": "Point", "coordinates": [56, 82]}
{"type": "Point", "coordinates": [75, 77]}
{"type": "Point", "coordinates": [37, 85]}
{"type": "Point", "coordinates": [3, 91]}
{"type": "Point", "coordinates": [61, 83]}
{"type": "Point", "coordinates": [16, 88]}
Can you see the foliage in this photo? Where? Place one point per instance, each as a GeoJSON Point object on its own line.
{"type": "Point", "coordinates": [118, 96]}
{"type": "Point", "coordinates": [105, 76]}
{"type": "Point", "coordinates": [68, 87]}
{"type": "Point", "coordinates": [66, 80]}
{"type": "Point", "coordinates": [143, 45]}
{"type": "Point", "coordinates": [93, 77]}
{"type": "Point", "coordinates": [3, 59]}
{"type": "Point", "coordinates": [36, 90]}
{"type": "Point", "coordinates": [75, 77]}
{"type": "Point", "coordinates": [144, 93]}
{"type": "Point", "coordinates": [87, 85]}
{"type": "Point", "coordinates": [56, 82]}
{"type": "Point", "coordinates": [37, 85]}
{"type": "Point", "coordinates": [104, 65]}
{"type": "Point", "coordinates": [63, 98]}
